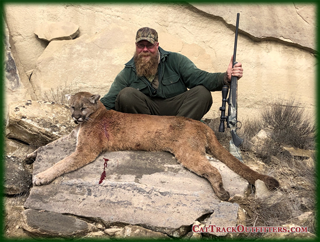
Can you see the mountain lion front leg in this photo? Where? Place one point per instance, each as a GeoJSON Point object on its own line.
{"type": "Point", "coordinates": [200, 165]}
{"type": "Point", "coordinates": [70, 163]}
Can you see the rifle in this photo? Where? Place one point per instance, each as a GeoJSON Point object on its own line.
{"type": "Point", "coordinates": [231, 119]}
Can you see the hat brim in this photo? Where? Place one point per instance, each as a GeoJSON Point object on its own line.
{"type": "Point", "coordinates": [152, 41]}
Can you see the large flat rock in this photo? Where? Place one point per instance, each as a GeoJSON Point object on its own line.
{"type": "Point", "coordinates": [145, 188]}
{"type": "Point", "coordinates": [54, 224]}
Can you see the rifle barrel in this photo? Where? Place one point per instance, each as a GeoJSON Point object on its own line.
{"type": "Point", "coordinates": [234, 80]}
{"type": "Point", "coordinates": [236, 40]}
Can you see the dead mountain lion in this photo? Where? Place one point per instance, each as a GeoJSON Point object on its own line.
{"type": "Point", "coordinates": [101, 130]}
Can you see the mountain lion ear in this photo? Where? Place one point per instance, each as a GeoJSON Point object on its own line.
{"type": "Point", "coordinates": [68, 96]}
{"type": "Point", "coordinates": [94, 98]}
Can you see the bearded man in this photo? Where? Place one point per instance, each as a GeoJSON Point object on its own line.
{"type": "Point", "coordinates": [159, 82]}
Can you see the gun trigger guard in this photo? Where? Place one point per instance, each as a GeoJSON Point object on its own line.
{"type": "Point", "coordinates": [237, 128]}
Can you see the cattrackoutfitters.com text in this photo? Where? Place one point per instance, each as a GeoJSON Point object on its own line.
{"type": "Point", "coordinates": [244, 229]}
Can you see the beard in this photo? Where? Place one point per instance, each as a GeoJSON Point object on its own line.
{"type": "Point", "coordinates": [145, 66]}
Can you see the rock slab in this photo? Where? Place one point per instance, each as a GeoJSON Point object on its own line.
{"type": "Point", "coordinates": [54, 224]}
{"type": "Point", "coordinates": [37, 122]}
{"type": "Point", "coordinates": [220, 220]}
{"type": "Point", "coordinates": [141, 188]}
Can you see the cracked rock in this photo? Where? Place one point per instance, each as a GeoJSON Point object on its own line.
{"type": "Point", "coordinates": [54, 224]}
{"type": "Point", "coordinates": [146, 188]}
{"type": "Point", "coordinates": [57, 31]}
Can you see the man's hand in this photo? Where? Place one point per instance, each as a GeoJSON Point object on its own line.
{"type": "Point", "coordinates": [235, 71]}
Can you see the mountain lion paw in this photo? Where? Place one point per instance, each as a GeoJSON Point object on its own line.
{"type": "Point", "coordinates": [41, 179]}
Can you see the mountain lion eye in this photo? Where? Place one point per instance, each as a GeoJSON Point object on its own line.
{"type": "Point", "coordinates": [83, 108]}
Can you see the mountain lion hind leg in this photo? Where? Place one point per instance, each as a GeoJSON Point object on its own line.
{"type": "Point", "coordinates": [199, 164]}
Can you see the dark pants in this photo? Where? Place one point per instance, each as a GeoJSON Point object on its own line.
{"type": "Point", "coordinates": [194, 103]}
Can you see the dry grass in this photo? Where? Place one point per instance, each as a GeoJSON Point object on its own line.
{"type": "Point", "coordinates": [58, 95]}
{"type": "Point", "coordinates": [289, 126]}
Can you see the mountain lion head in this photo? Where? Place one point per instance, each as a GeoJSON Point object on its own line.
{"type": "Point", "coordinates": [82, 106]}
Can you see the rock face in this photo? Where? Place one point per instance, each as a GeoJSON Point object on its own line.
{"type": "Point", "coordinates": [57, 31]}
{"type": "Point", "coordinates": [70, 72]}
{"type": "Point", "coordinates": [282, 24]}
{"type": "Point", "coordinates": [276, 46]}
{"type": "Point", "coordinates": [16, 83]}
{"type": "Point", "coordinates": [145, 188]}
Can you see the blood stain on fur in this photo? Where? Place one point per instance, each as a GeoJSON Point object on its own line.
{"type": "Point", "coordinates": [105, 129]}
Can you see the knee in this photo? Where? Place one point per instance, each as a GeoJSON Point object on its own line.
{"type": "Point", "coordinates": [203, 94]}
{"type": "Point", "coordinates": [127, 95]}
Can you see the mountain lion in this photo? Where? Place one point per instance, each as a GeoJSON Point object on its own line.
{"type": "Point", "coordinates": [188, 140]}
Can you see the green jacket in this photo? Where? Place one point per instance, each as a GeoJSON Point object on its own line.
{"type": "Point", "coordinates": [176, 74]}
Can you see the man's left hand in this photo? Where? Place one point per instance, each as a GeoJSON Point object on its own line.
{"type": "Point", "coordinates": [235, 71]}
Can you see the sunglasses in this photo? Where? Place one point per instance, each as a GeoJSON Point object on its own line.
{"type": "Point", "coordinates": [142, 46]}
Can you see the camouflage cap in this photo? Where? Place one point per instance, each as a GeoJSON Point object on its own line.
{"type": "Point", "coordinates": [148, 34]}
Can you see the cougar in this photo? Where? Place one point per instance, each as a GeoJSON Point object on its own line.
{"type": "Point", "coordinates": [188, 140]}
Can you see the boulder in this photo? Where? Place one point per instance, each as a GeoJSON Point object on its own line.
{"type": "Point", "coordinates": [57, 31]}
{"type": "Point", "coordinates": [17, 179]}
{"type": "Point", "coordinates": [50, 224]}
{"type": "Point", "coordinates": [225, 215]}
{"type": "Point", "coordinates": [269, 198]}
{"type": "Point", "coordinates": [13, 222]}
{"type": "Point", "coordinates": [18, 149]}
{"type": "Point", "coordinates": [300, 153]}
{"type": "Point", "coordinates": [37, 122]}
{"type": "Point", "coordinates": [146, 188]}
{"type": "Point", "coordinates": [259, 140]}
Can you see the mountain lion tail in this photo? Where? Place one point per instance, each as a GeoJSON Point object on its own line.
{"type": "Point", "coordinates": [218, 151]}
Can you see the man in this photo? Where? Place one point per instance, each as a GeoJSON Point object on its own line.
{"type": "Point", "coordinates": [160, 82]}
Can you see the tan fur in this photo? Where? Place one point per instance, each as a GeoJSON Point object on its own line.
{"type": "Point", "coordinates": [189, 140]}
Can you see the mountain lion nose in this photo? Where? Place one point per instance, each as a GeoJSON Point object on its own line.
{"type": "Point", "coordinates": [77, 119]}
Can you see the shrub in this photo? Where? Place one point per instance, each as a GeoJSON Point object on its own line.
{"type": "Point", "coordinates": [289, 124]}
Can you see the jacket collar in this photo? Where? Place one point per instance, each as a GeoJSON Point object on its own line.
{"type": "Point", "coordinates": [163, 55]}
